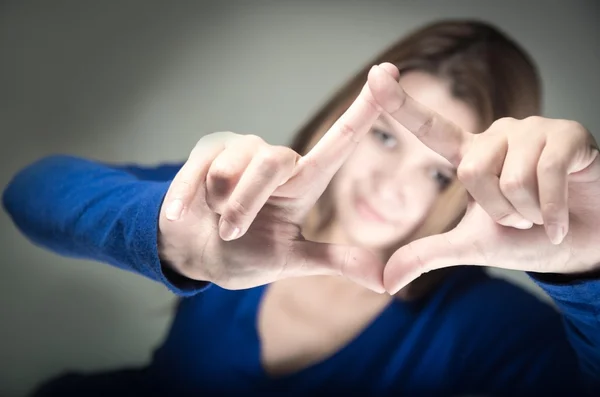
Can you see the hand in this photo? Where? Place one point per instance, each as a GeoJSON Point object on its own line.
{"type": "Point", "coordinates": [534, 187]}
{"type": "Point", "coordinates": [233, 213]}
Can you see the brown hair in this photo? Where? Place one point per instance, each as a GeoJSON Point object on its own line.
{"type": "Point", "coordinates": [484, 67]}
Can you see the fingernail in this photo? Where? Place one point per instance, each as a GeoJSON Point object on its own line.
{"type": "Point", "coordinates": [555, 232]}
{"type": "Point", "coordinates": [524, 224]}
{"type": "Point", "coordinates": [516, 221]}
{"type": "Point", "coordinates": [379, 289]}
{"type": "Point", "coordinates": [228, 231]}
{"type": "Point", "coordinates": [173, 211]}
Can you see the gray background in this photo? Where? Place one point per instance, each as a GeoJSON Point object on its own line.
{"type": "Point", "coordinates": [142, 81]}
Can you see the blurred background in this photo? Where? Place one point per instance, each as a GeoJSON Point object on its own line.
{"type": "Point", "coordinates": [142, 81]}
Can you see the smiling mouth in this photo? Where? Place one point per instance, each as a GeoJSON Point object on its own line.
{"type": "Point", "coordinates": [367, 212]}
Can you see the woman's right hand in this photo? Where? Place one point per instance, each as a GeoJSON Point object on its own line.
{"type": "Point", "coordinates": [233, 213]}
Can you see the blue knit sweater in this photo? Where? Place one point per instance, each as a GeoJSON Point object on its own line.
{"type": "Point", "coordinates": [473, 335]}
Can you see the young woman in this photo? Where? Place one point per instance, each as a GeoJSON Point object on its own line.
{"type": "Point", "coordinates": [350, 262]}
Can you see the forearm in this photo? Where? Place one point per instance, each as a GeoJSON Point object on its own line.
{"type": "Point", "coordinates": [81, 208]}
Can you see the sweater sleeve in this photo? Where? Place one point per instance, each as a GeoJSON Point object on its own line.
{"type": "Point", "coordinates": [86, 209]}
{"type": "Point", "coordinates": [578, 299]}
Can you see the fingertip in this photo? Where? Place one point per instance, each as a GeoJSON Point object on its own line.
{"type": "Point", "coordinates": [379, 289]}
{"type": "Point", "coordinates": [516, 221]}
{"type": "Point", "coordinates": [385, 89]}
{"type": "Point", "coordinates": [524, 224]}
{"type": "Point", "coordinates": [391, 69]}
{"type": "Point", "coordinates": [556, 233]}
{"type": "Point", "coordinates": [174, 210]}
{"type": "Point", "coordinates": [394, 286]}
{"type": "Point", "coordinates": [227, 231]}
{"type": "Point", "coordinates": [373, 72]}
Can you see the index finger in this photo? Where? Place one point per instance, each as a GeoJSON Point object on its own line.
{"type": "Point", "coordinates": [437, 133]}
{"type": "Point", "coordinates": [188, 181]}
{"type": "Point", "coordinates": [319, 166]}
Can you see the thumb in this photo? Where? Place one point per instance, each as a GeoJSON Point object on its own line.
{"type": "Point", "coordinates": [427, 254]}
{"type": "Point", "coordinates": [309, 258]}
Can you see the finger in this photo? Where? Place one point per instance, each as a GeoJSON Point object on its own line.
{"type": "Point", "coordinates": [552, 173]}
{"type": "Point", "coordinates": [227, 169]}
{"type": "Point", "coordinates": [189, 181]}
{"type": "Point", "coordinates": [570, 150]}
{"type": "Point", "coordinates": [439, 134]}
{"type": "Point", "coordinates": [390, 69]}
{"type": "Point", "coordinates": [427, 254]}
{"type": "Point", "coordinates": [266, 171]}
{"type": "Point", "coordinates": [308, 258]}
{"type": "Point", "coordinates": [518, 179]}
{"type": "Point", "coordinates": [316, 169]}
{"type": "Point", "coordinates": [478, 172]}
{"type": "Point", "coordinates": [590, 174]}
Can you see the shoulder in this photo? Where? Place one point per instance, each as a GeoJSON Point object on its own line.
{"type": "Point", "coordinates": [483, 298]}
{"type": "Point", "coordinates": [504, 333]}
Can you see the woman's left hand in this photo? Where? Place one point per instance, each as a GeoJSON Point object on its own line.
{"type": "Point", "coordinates": [535, 189]}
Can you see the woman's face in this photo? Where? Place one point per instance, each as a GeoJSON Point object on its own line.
{"type": "Point", "coordinates": [391, 181]}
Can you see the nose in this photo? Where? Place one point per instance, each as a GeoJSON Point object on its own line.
{"type": "Point", "coordinates": [400, 180]}
{"type": "Point", "coordinates": [391, 183]}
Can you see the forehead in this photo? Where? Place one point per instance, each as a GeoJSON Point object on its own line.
{"type": "Point", "coordinates": [434, 92]}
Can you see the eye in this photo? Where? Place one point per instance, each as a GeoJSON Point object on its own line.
{"type": "Point", "coordinates": [441, 179]}
{"type": "Point", "coordinates": [386, 139]}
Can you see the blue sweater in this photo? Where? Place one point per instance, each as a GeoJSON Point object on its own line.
{"type": "Point", "coordinates": [473, 335]}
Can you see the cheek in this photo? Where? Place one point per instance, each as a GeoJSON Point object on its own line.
{"type": "Point", "coordinates": [423, 205]}
{"type": "Point", "coordinates": [422, 195]}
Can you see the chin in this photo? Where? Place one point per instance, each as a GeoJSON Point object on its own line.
{"type": "Point", "coordinates": [371, 234]}
{"type": "Point", "coordinates": [367, 226]}
{"type": "Point", "coordinates": [376, 237]}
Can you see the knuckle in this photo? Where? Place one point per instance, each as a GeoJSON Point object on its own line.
{"type": "Point", "coordinates": [550, 208]}
{"type": "Point", "coordinates": [314, 165]}
{"type": "Point", "coordinates": [202, 141]}
{"type": "Point", "coordinates": [425, 128]}
{"type": "Point", "coordinates": [551, 164]}
{"type": "Point", "coordinates": [577, 129]}
{"type": "Point", "coordinates": [270, 159]}
{"type": "Point", "coordinates": [498, 215]}
{"type": "Point", "coordinates": [535, 119]}
{"type": "Point", "coordinates": [499, 212]}
{"type": "Point", "coordinates": [513, 183]}
{"type": "Point", "coordinates": [219, 136]}
{"type": "Point", "coordinates": [236, 211]}
{"type": "Point", "coordinates": [253, 140]}
{"type": "Point", "coordinates": [503, 122]}
{"type": "Point", "coordinates": [221, 173]}
{"type": "Point", "coordinates": [208, 141]}
{"type": "Point", "coordinates": [551, 212]}
{"type": "Point", "coordinates": [564, 125]}
{"type": "Point", "coordinates": [347, 131]}
{"type": "Point", "coordinates": [368, 98]}
{"type": "Point", "coordinates": [469, 172]}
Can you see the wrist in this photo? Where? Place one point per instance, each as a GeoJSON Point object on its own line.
{"type": "Point", "coordinates": [173, 265]}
